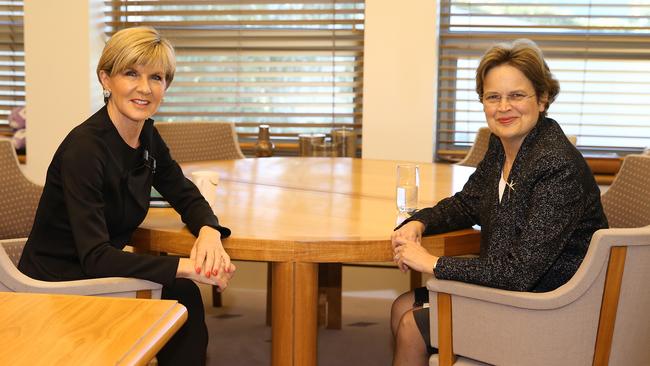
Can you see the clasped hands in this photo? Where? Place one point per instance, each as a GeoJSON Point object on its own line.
{"type": "Point", "coordinates": [408, 252]}
{"type": "Point", "coordinates": [208, 263]}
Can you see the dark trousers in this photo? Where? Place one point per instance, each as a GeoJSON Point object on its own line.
{"type": "Point", "coordinates": [189, 345]}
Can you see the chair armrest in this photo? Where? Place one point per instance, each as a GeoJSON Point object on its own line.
{"type": "Point", "coordinates": [97, 286]}
{"type": "Point", "coordinates": [527, 300]}
{"type": "Point", "coordinates": [13, 279]}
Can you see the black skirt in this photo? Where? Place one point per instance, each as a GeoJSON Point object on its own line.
{"type": "Point", "coordinates": [421, 315]}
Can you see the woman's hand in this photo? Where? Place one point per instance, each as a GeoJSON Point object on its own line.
{"type": "Point", "coordinates": [186, 269]}
{"type": "Point", "coordinates": [208, 254]}
{"type": "Point", "coordinates": [411, 231]}
{"type": "Point", "coordinates": [411, 254]}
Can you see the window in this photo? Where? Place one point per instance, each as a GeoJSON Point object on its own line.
{"type": "Point", "coordinates": [598, 50]}
{"type": "Point", "coordinates": [12, 61]}
{"type": "Point", "coordinates": [294, 65]}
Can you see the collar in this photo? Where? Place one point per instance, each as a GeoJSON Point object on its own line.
{"type": "Point", "coordinates": [107, 125]}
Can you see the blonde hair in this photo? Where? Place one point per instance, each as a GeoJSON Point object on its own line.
{"type": "Point", "coordinates": [137, 46]}
{"type": "Point", "coordinates": [525, 56]}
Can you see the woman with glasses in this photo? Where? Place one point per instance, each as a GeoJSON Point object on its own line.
{"type": "Point", "coordinates": [533, 195]}
{"type": "Point", "coordinates": [97, 192]}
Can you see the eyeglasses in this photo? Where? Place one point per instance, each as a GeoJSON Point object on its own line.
{"type": "Point", "coordinates": [512, 98]}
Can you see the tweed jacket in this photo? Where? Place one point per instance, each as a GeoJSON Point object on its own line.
{"type": "Point", "coordinates": [535, 238]}
{"type": "Point", "coordinates": [96, 194]}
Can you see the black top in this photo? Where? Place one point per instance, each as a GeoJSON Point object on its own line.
{"type": "Point", "coordinates": [96, 194]}
{"type": "Point", "coordinates": [537, 236]}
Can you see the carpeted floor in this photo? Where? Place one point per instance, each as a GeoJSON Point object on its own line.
{"type": "Point", "coordinates": [238, 335]}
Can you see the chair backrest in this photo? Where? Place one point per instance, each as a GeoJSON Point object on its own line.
{"type": "Point", "coordinates": [627, 201]}
{"type": "Point", "coordinates": [19, 198]}
{"type": "Point", "coordinates": [479, 148]}
{"type": "Point", "coordinates": [482, 141]}
{"type": "Point", "coordinates": [197, 141]}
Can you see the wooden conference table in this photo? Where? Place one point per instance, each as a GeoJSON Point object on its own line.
{"type": "Point", "coordinates": [45, 329]}
{"type": "Point", "coordinates": [298, 212]}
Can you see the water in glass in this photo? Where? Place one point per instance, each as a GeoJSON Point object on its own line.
{"type": "Point", "coordinates": [408, 180]}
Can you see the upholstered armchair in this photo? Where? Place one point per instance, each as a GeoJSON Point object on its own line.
{"type": "Point", "coordinates": [19, 197]}
{"type": "Point", "coordinates": [599, 317]}
{"type": "Point", "coordinates": [627, 201]}
{"type": "Point", "coordinates": [197, 141]}
{"type": "Point", "coordinates": [12, 280]}
{"type": "Point", "coordinates": [478, 149]}
{"type": "Point", "coordinates": [18, 203]}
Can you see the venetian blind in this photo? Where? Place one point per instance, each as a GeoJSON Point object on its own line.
{"type": "Point", "coordinates": [295, 65]}
{"type": "Point", "coordinates": [12, 60]}
{"type": "Point", "coordinates": [598, 50]}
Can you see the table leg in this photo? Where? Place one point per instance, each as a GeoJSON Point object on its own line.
{"type": "Point", "coordinates": [416, 279]}
{"type": "Point", "coordinates": [294, 330]}
{"type": "Point", "coordinates": [269, 292]}
{"type": "Point", "coordinates": [329, 290]}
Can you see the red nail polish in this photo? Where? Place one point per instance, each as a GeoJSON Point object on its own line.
{"type": "Point", "coordinates": [215, 272]}
{"type": "Point", "coordinates": [198, 270]}
{"type": "Point", "coordinates": [207, 274]}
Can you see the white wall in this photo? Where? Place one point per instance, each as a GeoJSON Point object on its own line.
{"type": "Point", "coordinates": [62, 46]}
{"type": "Point", "coordinates": [399, 93]}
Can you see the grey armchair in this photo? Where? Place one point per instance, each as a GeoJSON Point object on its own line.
{"type": "Point", "coordinates": [18, 203]}
{"type": "Point", "coordinates": [599, 317]}
{"type": "Point", "coordinates": [196, 141]}
{"type": "Point", "coordinates": [478, 149]}
{"type": "Point", "coordinates": [627, 201]}
{"type": "Point", "coordinates": [12, 280]}
{"type": "Point", "coordinates": [19, 197]}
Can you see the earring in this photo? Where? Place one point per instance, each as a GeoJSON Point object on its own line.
{"type": "Point", "coordinates": [107, 93]}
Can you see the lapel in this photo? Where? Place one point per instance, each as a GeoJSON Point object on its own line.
{"type": "Point", "coordinates": [515, 184]}
{"type": "Point", "coordinates": [506, 217]}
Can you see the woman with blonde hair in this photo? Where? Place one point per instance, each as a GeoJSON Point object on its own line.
{"type": "Point", "coordinates": [97, 192]}
{"type": "Point", "coordinates": [533, 195]}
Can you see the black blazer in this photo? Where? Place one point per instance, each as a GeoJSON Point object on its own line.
{"type": "Point", "coordinates": [96, 194]}
{"type": "Point", "coordinates": [537, 236]}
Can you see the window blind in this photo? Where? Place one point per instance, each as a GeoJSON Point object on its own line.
{"type": "Point", "coordinates": [598, 50]}
{"type": "Point", "coordinates": [12, 61]}
{"type": "Point", "coordinates": [294, 65]}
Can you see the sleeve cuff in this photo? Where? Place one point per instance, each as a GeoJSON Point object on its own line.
{"type": "Point", "coordinates": [224, 231]}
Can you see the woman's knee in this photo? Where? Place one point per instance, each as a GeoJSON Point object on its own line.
{"type": "Point", "coordinates": [188, 294]}
{"type": "Point", "coordinates": [407, 330]}
{"type": "Point", "coordinates": [402, 304]}
{"type": "Point", "coordinates": [184, 291]}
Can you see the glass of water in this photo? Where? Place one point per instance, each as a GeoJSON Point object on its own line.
{"type": "Point", "coordinates": [408, 181]}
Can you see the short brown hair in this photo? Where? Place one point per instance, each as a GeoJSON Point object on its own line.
{"type": "Point", "coordinates": [525, 56]}
{"type": "Point", "coordinates": [137, 46]}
